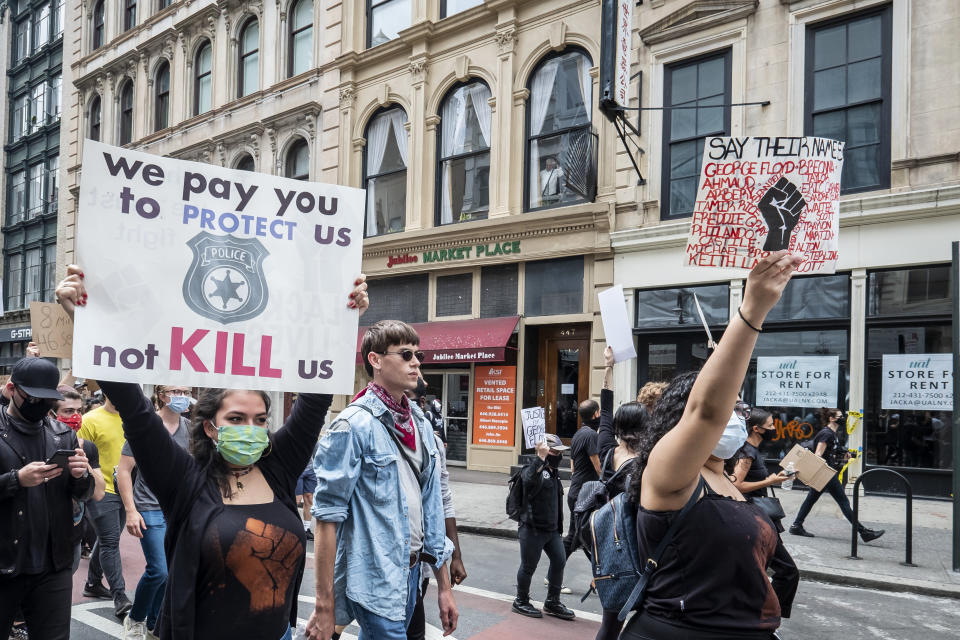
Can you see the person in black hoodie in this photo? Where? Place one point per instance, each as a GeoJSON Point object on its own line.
{"type": "Point", "coordinates": [235, 542]}
{"type": "Point", "coordinates": [540, 525]}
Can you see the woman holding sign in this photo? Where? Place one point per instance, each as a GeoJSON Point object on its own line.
{"type": "Point", "coordinates": [235, 543]}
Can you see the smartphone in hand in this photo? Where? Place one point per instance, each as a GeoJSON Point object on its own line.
{"type": "Point", "coordinates": [61, 458]}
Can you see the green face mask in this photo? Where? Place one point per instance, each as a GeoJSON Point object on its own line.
{"type": "Point", "coordinates": [242, 444]}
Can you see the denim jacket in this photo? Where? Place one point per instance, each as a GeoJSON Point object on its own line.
{"type": "Point", "coordinates": [358, 487]}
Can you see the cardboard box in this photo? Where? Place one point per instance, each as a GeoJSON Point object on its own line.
{"type": "Point", "coordinates": [812, 470]}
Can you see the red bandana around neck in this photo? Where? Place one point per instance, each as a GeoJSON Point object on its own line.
{"type": "Point", "coordinates": [402, 414]}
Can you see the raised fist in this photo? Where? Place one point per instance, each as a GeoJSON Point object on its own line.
{"type": "Point", "coordinates": [781, 207]}
{"type": "Point", "coordinates": [264, 559]}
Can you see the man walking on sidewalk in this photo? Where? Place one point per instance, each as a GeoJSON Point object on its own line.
{"type": "Point", "coordinates": [584, 461]}
{"type": "Point", "coordinates": [541, 522]}
{"type": "Point", "coordinates": [378, 505]}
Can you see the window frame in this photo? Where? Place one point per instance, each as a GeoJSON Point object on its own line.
{"type": "Point", "coordinates": [438, 187]}
{"type": "Point", "coordinates": [886, 87]}
{"type": "Point", "coordinates": [243, 55]}
{"type": "Point", "coordinates": [445, 13]}
{"type": "Point", "coordinates": [41, 27]}
{"type": "Point", "coordinates": [161, 98]}
{"type": "Point", "coordinates": [129, 15]}
{"type": "Point", "coordinates": [366, 178]}
{"type": "Point", "coordinates": [95, 122]}
{"type": "Point", "coordinates": [22, 45]}
{"type": "Point", "coordinates": [727, 55]}
{"type": "Point", "coordinates": [293, 32]}
{"type": "Point", "coordinates": [529, 137]}
{"type": "Point", "coordinates": [370, 6]}
{"type": "Point", "coordinates": [241, 159]}
{"type": "Point", "coordinates": [126, 114]}
{"type": "Point", "coordinates": [289, 160]}
{"type": "Point", "coordinates": [198, 77]}
{"type": "Point", "coordinates": [99, 25]}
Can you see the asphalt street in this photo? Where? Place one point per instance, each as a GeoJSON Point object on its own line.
{"type": "Point", "coordinates": [821, 611]}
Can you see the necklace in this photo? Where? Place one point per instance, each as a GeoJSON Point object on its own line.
{"type": "Point", "coordinates": [240, 474]}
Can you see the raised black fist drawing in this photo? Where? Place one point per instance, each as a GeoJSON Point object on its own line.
{"type": "Point", "coordinates": [781, 207]}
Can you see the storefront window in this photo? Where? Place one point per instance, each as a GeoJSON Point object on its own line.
{"type": "Point", "coordinates": [498, 291]}
{"type": "Point", "coordinates": [813, 298]}
{"type": "Point", "coordinates": [455, 295]}
{"type": "Point", "coordinates": [553, 287]}
{"type": "Point", "coordinates": [403, 298]}
{"type": "Point", "coordinates": [676, 307]}
{"type": "Point", "coordinates": [919, 291]}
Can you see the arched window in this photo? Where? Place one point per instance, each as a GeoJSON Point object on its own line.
{"type": "Point", "coordinates": [203, 79]}
{"type": "Point", "coordinates": [95, 118]}
{"type": "Point", "coordinates": [385, 172]}
{"type": "Point", "coordinates": [161, 105]}
{"type": "Point", "coordinates": [561, 149]}
{"type": "Point", "coordinates": [245, 163]}
{"type": "Point", "coordinates": [129, 14]}
{"type": "Point", "coordinates": [249, 79]}
{"type": "Point", "coordinates": [464, 159]}
{"type": "Point", "coordinates": [298, 161]}
{"type": "Point", "coordinates": [98, 29]}
{"type": "Point", "coordinates": [126, 113]}
{"type": "Point", "coordinates": [301, 37]}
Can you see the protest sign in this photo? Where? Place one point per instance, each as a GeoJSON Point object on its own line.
{"type": "Point", "coordinates": [494, 405]}
{"type": "Point", "coordinates": [922, 382]}
{"type": "Point", "coordinates": [797, 381]}
{"type": "Point", "coordinates": [203, 276]}
{"type": "Point", "coordinates": [616, 325]}
{"type": "Point", "coordinates": [760, 194]}
{"type": "Point", "coordinates": [534, 425]}
{"type": "Point", "coordinates": [52, 330]}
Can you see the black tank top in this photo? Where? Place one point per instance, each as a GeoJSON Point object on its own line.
{"type": "Point", "coordinates": [713, 575]}
{"type": "Point", "coordinates": [758, 469]}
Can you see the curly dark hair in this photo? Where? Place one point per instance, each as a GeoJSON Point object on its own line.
{"type": "Point", "coordinates": [666, 414]}
{"type": "Point", "coordinates": [202, 447]}
{"type": "Point", "coordinates": [629, 422]}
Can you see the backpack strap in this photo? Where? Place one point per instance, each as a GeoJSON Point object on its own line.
{"type": "Point", "coordinates": [396, 441]}
{"type": "Point", "coordinates": [606, 463]}
{"type": "Point", "coordinates": [636, 596]}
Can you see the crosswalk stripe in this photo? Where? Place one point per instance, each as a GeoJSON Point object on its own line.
{"type": "Point", "coordinates": [83, 613]}
{"type": "Point", "coordinates": [502, 597]}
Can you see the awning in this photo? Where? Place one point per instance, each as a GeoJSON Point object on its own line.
{"type": "Point", "coordinates": [453, 341]}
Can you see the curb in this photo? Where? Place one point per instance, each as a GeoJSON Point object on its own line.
{"type": "Point", "coordinates": [835, 576]}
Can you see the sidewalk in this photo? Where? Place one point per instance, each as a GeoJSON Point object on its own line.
{"type": "Point", "coordinates": [479, 500]}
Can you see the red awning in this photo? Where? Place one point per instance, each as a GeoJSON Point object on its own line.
{"type": "Point", "coordinates": [453, 341]}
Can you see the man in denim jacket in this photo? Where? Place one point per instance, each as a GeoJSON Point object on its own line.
{"type": "Point", "coordinates": [378, 505]}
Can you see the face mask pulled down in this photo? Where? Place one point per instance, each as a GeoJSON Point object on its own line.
{"type": "Point", "coordinates": [734, 435]}
{"type": "Point", "coordinates": [242, 444]}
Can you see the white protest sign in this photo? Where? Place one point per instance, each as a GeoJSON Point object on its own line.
{"type": "Point", "coordinates": [797, 381]}
{"type": "Point", "coordinates": [534, 425]}
{"type": "Point", "coordinates": [616, 325]}
{"type": "Point", "coordinates": [761, 194]}
{"type": "Point", "coordinates": [921, 382]}
{"type": "Point", "coordinates": [199, 275]}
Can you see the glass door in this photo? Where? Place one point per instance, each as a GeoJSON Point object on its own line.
{"type": "Point", "coordinates": [451, 389]}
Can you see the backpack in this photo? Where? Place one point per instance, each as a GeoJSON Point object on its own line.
{"type": "Point", "coordinates": [516, 502]}
{"type": "Point", "coordinates": [593, 495]}
{"type": "Point", "coordinates": [619, 577]}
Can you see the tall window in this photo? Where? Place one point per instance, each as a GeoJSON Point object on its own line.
{"type": "Point", "coordinates": [41, 27]}
{"type": "Point", "coordinates": [52, 188]}
{"type": "Point", "coordinates": [559, 144]}
{"type": "Point", "coordinates": [203, 80]}
{"type": "Point", "coordinates": [53, 99]}
{"type": "Point", "coordinates": [35, 191]}
{"type": "Point", "coordinates": [129, 14]}
{"type": "Point", "coordinates": [22, 43]}
{"type": "Point", "coordinates": [464, 171]}
{"type": "Point", "coordinates": [692, 83]}
{"type": "Point", "coordinates": [386, 19]}
{"type": "Point", "coordinates": [249, 80]}
{"type": "Point", "coordinates": [301, 37]}
{"type": "Point", "coordinates": [58, 19]}
{"type": "Point", "coordinates": [161, 106]}
{"type": "Point", "coordinates": [298, 160]}
{"type": "Point", "coordinates": [18, 198]}
{"type": "Point", "coordinates": [126, 113]}
{"type": "Point", "coordinates": [38, 97]}
{"type": "Point", "coordinates": [450, 7]}
{"type": "Point", "coordinates": [848, 95]}
{"type": "Point", "coordinates": [163, 4]}
{"type": "Point", "coordinates": [246, 163]}
{"type": "Point", "coordinates": [95, 118]}
{"type": "Point", "coordinates": [98, 28]}
{"type": "Point", "coordinates": [21, 117]}
{"type": "Point", "coordinates": [385, 179]}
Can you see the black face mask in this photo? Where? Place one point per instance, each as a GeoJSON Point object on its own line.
{"type": "Point", "coordinates": [554, 461]}
{"type": "Point", "coordinates": [768, 434]}
{"type": "Point", "coordinates": [4, 400]}
{"type": "Point", "coordinates": [33, 411]}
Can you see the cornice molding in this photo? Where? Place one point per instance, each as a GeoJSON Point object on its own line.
{"type": "Point", "coordinates": [695, 17]}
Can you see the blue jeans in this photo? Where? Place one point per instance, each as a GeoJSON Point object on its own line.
{"type": "Point", "coordinates": [380, 628]}
{"type": "Point", "coordinates": [149, 595]}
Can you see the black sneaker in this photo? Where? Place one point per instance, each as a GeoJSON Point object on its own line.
{"type": "Point", "coordinates": [97, 590]}
{"type": "Point", "coordinates": [121, 605]}
{"type": "Point", "coordinates": [524, 608]}
{"type": "Point", "coordinates": [798, 530]}
{"type": "Point", "coordinates": [309, 534]}
{"type": "Point", "coordinates": [869, 535]}
{"type": "Point", "coordinates": [556, 609]}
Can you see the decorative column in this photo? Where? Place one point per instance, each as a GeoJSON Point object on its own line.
{"type": "Point", "coordinates": [418, 180]}
{"type": "Point", "coordinates": [501, 144]}
{"type": "Point", "coordinates": [858, 341]}
{"type": "Point", "coordinates": [180, 108]}
{"type": "Point", "coordinates": [347, 163]}
{"type": "Point", "coordinates": [144, 97]}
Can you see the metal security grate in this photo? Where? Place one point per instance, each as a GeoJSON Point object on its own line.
{"type": "Point", "coordinates": [455, 295]}
{"type": "Point", "coordinates": [498, 291]}
{"type": "Point", "coordinates": [403, 298]}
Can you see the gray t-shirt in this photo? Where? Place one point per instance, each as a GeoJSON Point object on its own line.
{"type": "Point", "coordinates": [411, 489]}
{"type": "Point", "coordinates": [143, 498]}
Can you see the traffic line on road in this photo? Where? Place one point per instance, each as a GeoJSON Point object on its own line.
{"type": "Point", "coordinates": [502, 597]}
{"type": "Point", "coordinates": [83, 613]}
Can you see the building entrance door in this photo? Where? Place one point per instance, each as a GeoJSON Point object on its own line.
{"type": "Point", "coordinates": [452, 389]}
{"type": "Point", "coordinates": [564, 369]}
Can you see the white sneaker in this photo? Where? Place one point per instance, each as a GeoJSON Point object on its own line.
{"type": "Point", "coordinates": [564, 590]}
{"type": "Point", "coordinates": [133, 630]}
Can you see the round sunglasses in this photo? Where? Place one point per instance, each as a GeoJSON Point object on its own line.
{"type": "Point", "coordinates": [406, 354]}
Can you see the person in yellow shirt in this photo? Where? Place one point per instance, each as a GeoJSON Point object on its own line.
{"type": "Point", "coordinates": [104, 428]}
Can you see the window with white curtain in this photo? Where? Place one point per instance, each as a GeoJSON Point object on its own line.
{"type": "Point", "coordinates": [249, 80]}
{"type": "Point", "coordinates": [22, 40]}
{"type": "Point", "coordinates": [301, 37]}
{"type": "Point", "coordinates": [385, 159]}
{"type": "Point", "coordinates": [203, 80]}
{"type": "Point", "coordinates": [53, 183]}
{"type": "Point", "coordinates": [53, 99]}
{"type": "Point", "coordinates": [33, 276]}
{"type": "Point", "coordinates": [41, 27]}
{"type": "Point", "coordinates": [21, 117]}
{"type": "Point", "coordinates": [18, 198]}
{"type": "Point", "coordinates": [559, 118]}
{"type": "Point", "coordinates": [37, 101]}
{"type": "Point", "coordinates": [35, 191]}
{"type": "Point", "coordinates": [464, 162]}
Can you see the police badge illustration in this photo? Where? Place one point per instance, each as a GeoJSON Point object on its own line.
{"type": "Point", "coordinates": [225, 280]}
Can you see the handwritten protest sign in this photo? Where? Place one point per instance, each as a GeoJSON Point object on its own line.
{"type": "Point", "coordinates": [199, 275]}
{"type": "Point", "coordinates": [52, 330]}
{"type": "Point", "coordinates": [761, 194]}
{"type": "Point", "coordinates": [534, 425]}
